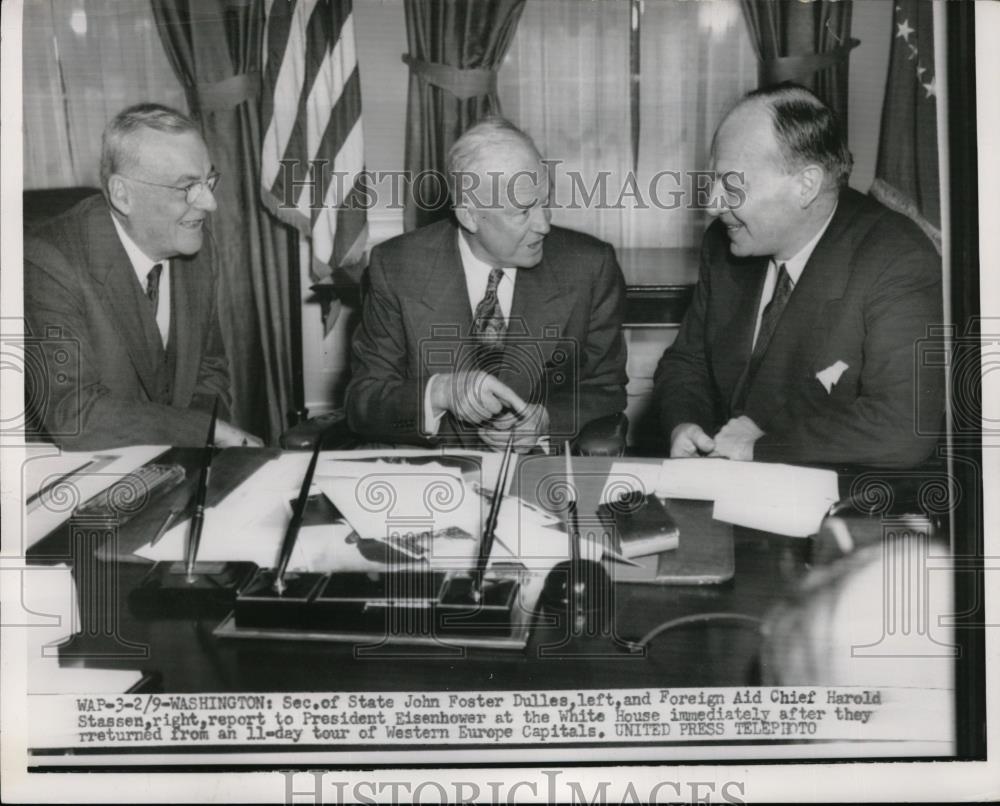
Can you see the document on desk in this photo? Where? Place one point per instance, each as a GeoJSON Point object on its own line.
{"type": "Point", "coordinates": [376, 494]}
{"type": "Point", "coordinates": [784, 499]}
{"type": "Point", "coordinates": [55, 483]}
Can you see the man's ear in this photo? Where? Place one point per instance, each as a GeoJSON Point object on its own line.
{"type": "Point", "coordinates": [119, 194]}
{"type": "Point", "coordinates": [811, 179]}
{"type": "Point", "coordinates": [466, 218]}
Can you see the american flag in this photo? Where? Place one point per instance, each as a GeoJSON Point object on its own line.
{"type": "Point", "coordinates": [312, 157]}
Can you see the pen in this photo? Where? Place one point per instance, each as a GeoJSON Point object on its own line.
{"type": "Point", "coordinates": [298, 512]}
{"type": "Point", "coordinates": [576, 582]}
{"type": "Point", "coordinates": [489, 529]}
{"type": "Point", "coordinates": [198, 519]}
{"type": "Point", "coordinates": [164, 525]}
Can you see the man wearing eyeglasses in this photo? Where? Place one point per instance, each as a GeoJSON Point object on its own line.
{"type": "Point", "coordinates": [120, 296]}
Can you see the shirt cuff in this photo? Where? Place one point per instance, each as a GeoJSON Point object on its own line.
{"type": "Point", "coordinates": [432, 421]}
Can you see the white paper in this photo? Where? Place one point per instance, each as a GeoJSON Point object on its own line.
{"type": "Point", "coordinates": [631, 477]}
{"type": "Point", "coordinates": [49, 594]}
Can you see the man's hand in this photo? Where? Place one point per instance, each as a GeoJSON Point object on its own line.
{"type": "Point", "coordinates": [688, 439]}
{"type": "Point", "coordinates": [229, 436]}
{"type": "Point", "coordinates": [736, 439]}
{"type": "Point", "coordinates": [528, 425]}
{"type": "Point", "coordinates": [473, 397]}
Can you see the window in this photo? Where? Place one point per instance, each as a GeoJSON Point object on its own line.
{"type": "Point", "coordinates": [566, 81]}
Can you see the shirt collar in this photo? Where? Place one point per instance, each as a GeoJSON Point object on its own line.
{"type": "Point", "coordinates": [797, 262]}
{"type": "Point", "coordinates": [470, 262]}
{"type": "Point", "coordinates": [141, 263]}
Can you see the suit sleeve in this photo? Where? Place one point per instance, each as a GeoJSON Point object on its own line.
{"type": "Point", "coordinates": [894, 419]}
{"type": "Point", "coordinates": [383, 399]}
{"type": "Point", "coordinates": [603, 376]}
{"type": "Point", "coordinates": [683, 391]}
{"type": "Point", "coordinates": [76, 408]}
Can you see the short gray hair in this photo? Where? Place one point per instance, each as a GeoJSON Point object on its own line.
{"type": "Point", "coordinates": [468, 151]}
{"type": "Point", "coordinates": [118, 147]}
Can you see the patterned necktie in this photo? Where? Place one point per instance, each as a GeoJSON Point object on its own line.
{"type": "Point", "coordinates": [768, 323]}
{"type": "Point", "coordinates": [488, 325]}
{"type": "Point", "coordinates": [772, 313]}
{"type": "Point", "coordinates": [153, 287]}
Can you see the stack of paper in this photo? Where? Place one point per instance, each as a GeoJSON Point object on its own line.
{"type": "Point", "coordinates": [783, 499]}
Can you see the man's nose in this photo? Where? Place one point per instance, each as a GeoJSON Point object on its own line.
{"type": "Point", "coordinates": [206, 200]}
{"type": "Point", "coordinates": [717, 201]}
{"type": "Point", "coordinates": [540, 218]}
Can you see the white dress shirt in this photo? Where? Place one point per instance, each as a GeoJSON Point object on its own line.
{"type": "Point", "coordinates": [794, 266]}
{"type": "Point", "coordinates": [477, 278]}
{"type": "Point", "coordinates": [142, 265]}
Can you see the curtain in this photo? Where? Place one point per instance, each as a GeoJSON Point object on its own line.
{"type": "Point", "coordinates": [215, 48]}
{"type": "Point", "coordinates": [808, 43]}
{"type": "Point", "coordinates": [84, 61]}
{"type": "Point", "coordinates": [455, 47]}
{"type": "Point", "coordinates": [566, 82]}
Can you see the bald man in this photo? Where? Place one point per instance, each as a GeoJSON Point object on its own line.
{"type": "Point", "coordinates": [802, 341]}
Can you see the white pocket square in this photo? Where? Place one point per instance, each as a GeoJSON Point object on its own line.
{"type": "Point", "coordinates": [829, 376]}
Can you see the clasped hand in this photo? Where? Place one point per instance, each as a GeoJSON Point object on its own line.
{"type": "Point", "coordinates": [735, 440]}
{"type": "Point", "coordinates": [480, 399]}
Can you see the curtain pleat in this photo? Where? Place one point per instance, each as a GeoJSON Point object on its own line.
{"type": "Point", "coordinates": [787, 33]}
{"type": "Point", "coordinates": [462, 35]}
{"type": "Point", "coordinates": [210, 42]}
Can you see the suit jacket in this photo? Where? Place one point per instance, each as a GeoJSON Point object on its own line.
{"type": "Point", "coordinates": [564, 346]}
{"type": "Point", "coordinates": [867, 297]}
{"type": "Point", "coordinates": [106, 379]}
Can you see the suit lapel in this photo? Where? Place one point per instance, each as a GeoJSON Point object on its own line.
{"type": "Point", "coordinates": [446, 294]}
{"type": "Point", "coordinates": [816, 295]}
{"type": "Point", "coordinates": [123, 297]}
{"type": "Point", "coordinates": [535, 292]}
{"type": "Point", "coordinates": [188, 297]}
{"type": "Point", "coordinates": [733, 345]}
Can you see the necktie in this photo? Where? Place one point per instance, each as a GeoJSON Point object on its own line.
{"type": "Point", "coordinates": [768, 324]}
{"type": "Point", "coordinates": [489, 326]}
{"type": "Point", "coordinates": [153, 287]}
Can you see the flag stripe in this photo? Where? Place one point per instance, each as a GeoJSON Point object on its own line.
{"type": "Point", "coordinates": [311, 107]}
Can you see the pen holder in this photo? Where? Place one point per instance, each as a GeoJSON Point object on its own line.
{"type": "Point", "coordinates": [168, 590]}
{"type": "Point", "coordinates": [405, 605]}
{"type": "Point", "coordinates": [260, 605]}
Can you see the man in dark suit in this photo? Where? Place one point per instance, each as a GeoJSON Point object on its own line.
{"type": "Point", "coordinates": [802, 341]}
{"type": "Point", "coordinates": [493, 323]}
{"type": "Point", "coordinates": [120, 296]}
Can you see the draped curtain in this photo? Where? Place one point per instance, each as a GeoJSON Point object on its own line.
{"type": "Point", "coordinates": [808, 43]}
{"type": "Point", "coordinates": [215, 49]}
{"type": "Point", "coordinates": [455, 47]}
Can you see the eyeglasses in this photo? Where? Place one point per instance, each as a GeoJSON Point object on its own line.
{"type": "Point", "coordinates": [191, 192]}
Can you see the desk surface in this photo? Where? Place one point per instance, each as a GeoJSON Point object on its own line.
{"type": "Point", "coordinates": [190, 658]}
